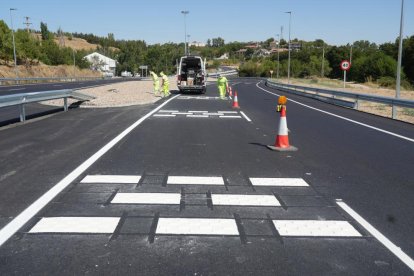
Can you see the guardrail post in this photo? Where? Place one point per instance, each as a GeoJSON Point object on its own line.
{"type": "Point", "coordinates": [22, 113]}
{"type": "Point", "coordinates": [65, 104]}
{"type": "Point", "coordinates": [357, 103]}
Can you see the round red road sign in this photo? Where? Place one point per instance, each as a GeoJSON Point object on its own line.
{"type": "Point", "coordinates": [345, 65]}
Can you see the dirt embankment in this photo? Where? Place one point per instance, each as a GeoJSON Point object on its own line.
{"type": "Point", "coordinates": [45, 71]}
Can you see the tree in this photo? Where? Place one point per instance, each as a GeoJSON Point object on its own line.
{"type": "Point", "coordinates": [209, 42]}
{"type": "Point", "coordinates": [6, 44]}
{"type": "Point", "coordinates": [44, 31]}
{"type": "Point", "coordinates": [408, 58]}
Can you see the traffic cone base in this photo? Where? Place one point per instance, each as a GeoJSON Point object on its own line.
{"type": "Point", "coordinates": [290, 148]}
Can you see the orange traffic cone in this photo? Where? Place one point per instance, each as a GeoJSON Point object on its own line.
{"type": "Point", "coordinates": [235, 101]}
{"type": "Point", "coordinates": [282, 138]}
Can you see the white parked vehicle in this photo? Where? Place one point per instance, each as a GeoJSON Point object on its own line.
{"type": "Point", "coordinates": [191, 74]}
{"type": "Point", "coordinates": [126, 74]}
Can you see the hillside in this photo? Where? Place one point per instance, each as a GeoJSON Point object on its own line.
{"type": "Point", "coordinates": [43, 71]}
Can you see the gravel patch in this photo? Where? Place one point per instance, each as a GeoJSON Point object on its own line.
{"type": "Point", "coordinates": [118, 94]}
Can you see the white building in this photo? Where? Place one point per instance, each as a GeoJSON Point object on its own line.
{"type": "Point", "coordinates": [101, 63]}
{"type": "Point", "coordinates": [197, 44]}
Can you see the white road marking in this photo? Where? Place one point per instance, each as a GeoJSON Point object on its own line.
{"type": "Point", "coordinates": [230, 112]}
{"type": "Point", "coordinates": [182, 113]}
{"type": "Point", "coordinates": [245, 116]}
{"type": "Point", "coordinates": [343, 118]}
{"type": "Point", "coordinates": [194, 111]}
{"type": "Point", "coordinates": [167, 111]}
{"type": "Point", "coordinates": [197, 116]}
{"type": "Point", "coordinates": [16, 89]}
{"type": "Point", "coordinates": [122, 179]}
{"type": "Point", "coordinates": [375, 233]}
{"type": "Point", "coordinates": [244, 200]}
{"type": "Point", "coordinates": [12, 227]}
{"type": "Point", "coordinates": [163, 115]}
{"type": "Point", "coordinates": [213, 114]}
{"type": "Point", "coordinates": [197, 226]}
{"type": "Point", "coordinates": [98, 225]}
{"type": "Point", "coordinates": [195, 180]}
{"type": "Point", "coordinates": [315, 228]}
{"type": "Point", "coordinates": [147, 198]}
{"type": "Point", "coordinates": [287, 182]}
{"type": "Point", "coordinates": [234, 117]}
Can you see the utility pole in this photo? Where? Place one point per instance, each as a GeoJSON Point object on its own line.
{"type": "Point", "coordinates": [398, 84]}
{"type": "Point", "coordinates": [185, 31]}
{"type": "Point", "coordinates": [74, 63]}
{"type": "Point", "coordinates": [323, 61]}
{"type": "Point", "coordinates": [14, 43]}
{"type": "Point", "coordinates": [281, 32]}
{"type": "Point", "coordinates": [27, 23]}
{"type": "Point", "coordinates": [278, 60]}
{"type": "Point", "coordinates": [290, 19]}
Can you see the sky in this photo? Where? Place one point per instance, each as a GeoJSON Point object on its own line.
{"type": "Point", "coordinates": [337, 22]}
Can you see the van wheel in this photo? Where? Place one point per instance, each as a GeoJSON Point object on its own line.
{"type": "Point", "coordinates": [203, 91]}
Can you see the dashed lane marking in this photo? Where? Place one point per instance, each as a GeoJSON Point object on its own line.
{"type": "Point", "coordinates": [197, 226]}
{"type": "Point", "coordinates": [167, 111]}
{"type": "Point", "coordinates": [122, 179]}
{"type": "Point", "coordinates": [195, 111]}
{"type": "Point", "coordinates": [19, 221]}
{"type": "Point", "coordinates": [229, 112]}
{"type": "Point", "coordinates": [146, 198]}
{"type": "Point", "coordinates": [197, 116]}
{"type": "Point", "coordinates": [182, 113]}
{"type": "Point", "coordinates": [231, 117]}
{"type": "Point", "coordinates": [195, 180]}
{"type": "Point", "coordinates": [96, 225]}
{"type": "Point", "coordinates": [315, 228]}
{"type": "Point", "coordinates": [163, 115]}
{"type": "Point", "coordinates": [244, 200]}
{"type": "Point", "coordinates": [287, 182]}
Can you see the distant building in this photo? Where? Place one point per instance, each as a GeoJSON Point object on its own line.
{"type": "Point", "coordinates": [197, 44]}
{"type": "Point", "coordinates": [253, 46]}
{"type": "Point", "coordinates": [101, 63]}
{"type": "Point", "coordinates": [261, 53]}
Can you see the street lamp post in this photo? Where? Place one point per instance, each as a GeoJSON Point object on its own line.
{"type": "Point", "coordinates": [185, 31]}
{"type": "Point", "coordinates": [398, 84]}
{"type": "Point", "coordinates": [188, 44]}
{"type": "Point", "coordinates": [290, 19]}
{"type": "Point", "coordinates": [278, 61]}
{"type": "Point", "coordinates": [14, 44]}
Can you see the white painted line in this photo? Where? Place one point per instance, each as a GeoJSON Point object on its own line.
{"type": "Point", "coordinates": [195, 111]}
{"type": "Point", "coordinates": [375, 233]}
{"type": "Point", "coordinates": [12, 227]}
{"type": "Point", "coordinates": [182, 113]}
{"type": "Point", "coordinates": [233, 117]}
{"type": "Point", "coordinates": [16, 89]}
{"type": "Point", "coordinates": [245, 116]}
{"type": "Point", "coordinates": [146, 198]}
{"type": "Point", "coordinates": [195, 180]}
{"type": "Point", "coordinates": [286, 182]}
{"type": "Point", "coordinates": [315, 228]}
{"type": "Point", "coordinates": [122, 179]}
{"type": "Point", "coordinates": [230, 112]}
{"type": "Point", "coordinates": [244, 200]}
{"type": "Point", "coordinates": [98, 225]}
{"type": "Point", "coordinates": [197, 116]}
{"type": "Point", "coordinates": [343, 118]}
{"type": "Point", "coordinates": [197, 226]}
{"type": "Point", "coordinates": [214, 114]}
{"type": "Point", "coordinates": [167, 111]}
{"type": "Point", "coordinates": [163, 115]}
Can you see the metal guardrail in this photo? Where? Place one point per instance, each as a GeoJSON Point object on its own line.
{"type": "Point", "coordinates": [24, 98]}
{"type": "Point", "coordinates": [304, 91]}
{"type": "Point", "coordinates": [55, 79]}
{"type": "Point", "coordinates": [223, 73]}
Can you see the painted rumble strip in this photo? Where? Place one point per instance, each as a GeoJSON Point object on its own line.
{"type": "Point", "coordinates": [97, 225]}
{"type": "Point", "coordinates": [315, 228]}
{"type": "Point", "coordinates": [343, 118]}
{"type": "Point", "coordinates": [197, 226]}
{"type": "Point", "coordinates": [146, 198]}
{"type": "Point", "coordinates": [244, 200]}
{"type": "Point", "coordinates": [286, 182]}
{"type": "Point", "coordinates": [12, 227]}
{"type": "Point", "coordinates": [375, 233]}
{"type": "Point", "coordinates": [122, 179]}
{"type": "Point", "coordinates": [195, 180]}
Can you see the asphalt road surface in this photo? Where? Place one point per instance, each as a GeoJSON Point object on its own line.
{"type": "Point", "coordinates": [187, 186]}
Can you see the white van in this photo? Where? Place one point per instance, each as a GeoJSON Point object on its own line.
{"type": "Point", "coordinates": [191, 74]}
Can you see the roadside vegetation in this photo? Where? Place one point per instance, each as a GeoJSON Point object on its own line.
{"type": "Point", "coordinates": [370, 62]}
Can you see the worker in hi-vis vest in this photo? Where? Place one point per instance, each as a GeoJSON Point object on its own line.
{"type": "Point", "coordinates": [222, 86]}
{"type": "Point", "coordinates": [156, 82]}
{"type": "Point", "coordinates": [165, 84]}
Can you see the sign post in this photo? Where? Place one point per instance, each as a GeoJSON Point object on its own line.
{"type": "Point", "coordinates": [271, 74]}
{"type": "Point", "coordinates": [345, 66]}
